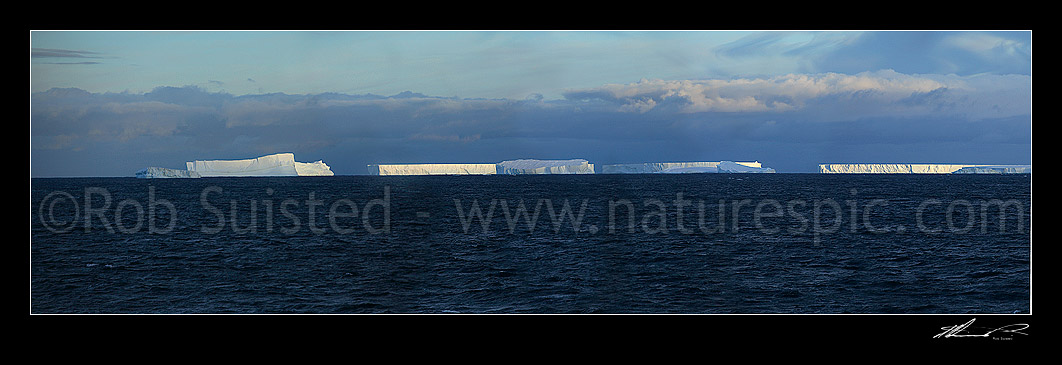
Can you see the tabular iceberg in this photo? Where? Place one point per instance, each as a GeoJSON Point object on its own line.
{"type": "Point", "coordinates": [998, 169]}
{"type": "Point", "coordinates": [316, 168]}
{"type": "Point", "coordinates": [741, 167]}
{"type": "Point", "coordinates": [280, 164]}
{"type": "Point", "coordinates": [528, 166]}
{"type": "Point", "coordinates": [690, 170]}
{"type": "Point", "coordinates": [572, 166]}
{"type": "Point", "coordinates": [902, 168]}
{"type": "Point", "coordinates": [511, 167]}
{"type": "Point", "coordinates": [164, 173]}
{"type": "Point", "coordinates": [684, 167]}
{"type": "Point", "coordinates": [434, 169]}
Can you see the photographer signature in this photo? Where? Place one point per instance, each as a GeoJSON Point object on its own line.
{"type": "Point", "coordinates": [958, 330]}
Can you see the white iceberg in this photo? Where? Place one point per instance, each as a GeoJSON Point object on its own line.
{"type": "Point", "coordinates": [684, 167]}
{"type": "Point", "coordinates": [316, 168]}
{"type": "Point", "coordinates": [996, 169]}
{"type": "Point", "coordinates": [434, 169]}
{"type": "Point", "coordinates": [737, 167]}
{"type": "Point", "coordinates": [691, 170]}
{"type": "Point", "coordinates": [572, 166]}
{"type": "Point", "coordinates": [280, 164]}
{"type": "Point", "coordinates": [164, 173]}
{"type": "Point", "coordinates": [906, 168]}
{"type": "Point", "coordinates": [512, 167]}
{"type": "Point", "coordinates": [530, 166]}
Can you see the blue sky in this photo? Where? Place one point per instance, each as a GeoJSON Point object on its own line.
{"type": "Point", "coordinates": [110, 103]}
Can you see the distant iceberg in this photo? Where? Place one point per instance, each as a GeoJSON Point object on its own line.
{"type": "Point", "coordinates": [1000, 169]}
{"type": "Point", "coordinates": [686, 167]}
{"type": "Point", "coordinates": [511, 167]}
{"type": "Point", "coordinates": [529, 166]}
{"type": "Point", "coordinates": [317, 168]}
{"type": "Point", "coordinates": [572, 166]}
{"type": "Point", "coordinates": [922, 168]}
{"type": "Point", "coordinates": [164, 173]}
{"type": "Point", "coordinates": [434, 169]}
{"type": "Point", "coordinates": [739, 167]}
{"type": "Point", "coordinates": [691, 170]}
{"type": "Point", "coordinates": [280, 164]}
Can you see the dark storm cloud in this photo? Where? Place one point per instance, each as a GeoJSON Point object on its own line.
{"type": "Point", "coordinates": [42, 54]}
{"type": "Point", "coordinates": [826, 96]}
{"type": "Point", "coordinates": [61, 53]}
{"type": "Point", "coordinates": [71, 63]}
{"type": "Point", "coordinates": [790, 124]}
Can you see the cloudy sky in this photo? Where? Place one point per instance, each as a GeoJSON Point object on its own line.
{"type": "Point", "coordinates": [110, 103]}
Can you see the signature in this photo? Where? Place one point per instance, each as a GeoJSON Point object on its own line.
{"type": "Point", "coordinates": [960, 330]}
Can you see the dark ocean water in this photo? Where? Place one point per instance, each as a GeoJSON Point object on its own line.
{"type": "Point", "coordinates": [742, 243]}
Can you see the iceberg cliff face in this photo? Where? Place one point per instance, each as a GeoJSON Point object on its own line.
{"type": "Point", "coordinates": [739, 167]}
{"type": "Point", "coordinates": [512, 167]}
{"type": "Point", "coordinates": [164, 173]}
{"type": "Point", "coordinates": [527, 166]}
{"type": "Point", "coordinates": [681, 167]}
{"type": "Point", "coordinates": [318, 168]}
{"type": "Point", "coordinates": [573, 166]}
{"type": "Point", "coordinates": [691, 170]}
{"type": "Point", "coordinates": [281, 164]}
{"type": "Point", "coordinates": [899, 168]}
{"type": "Point", "coordinates": [999, 169]}
{"type": "Point", "coordinates": [434, 169]}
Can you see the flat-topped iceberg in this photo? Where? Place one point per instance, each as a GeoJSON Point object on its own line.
{"type": "Point", "coordinates": [280, 164]}
{"type": "Point", "coordinates": [684, 167]}
{"type": "Point", "coordinates": [434, 169]}
{"type": "Point", "coordinates": [690, 170]}
{"type": "Point", "coordinates": [529, 166]}
{"type": "Point", "coordinates": [916, 168]}
{"type": "Point", "coordinates": [572, 166]}
{"type": "Point", "coordinates": [511, 167]}
{"type": "Point", "coordinates": [998, 169]}
{"type": "Point", "coordinates": [740, 167]}
{"type": "Point", "coordinates": [316, 168]}
{"type": "Point", "coordinates": [164, 173]}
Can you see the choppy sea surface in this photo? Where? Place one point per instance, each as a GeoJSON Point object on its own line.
{"type": "Point", "coordinates": [684, 243]}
